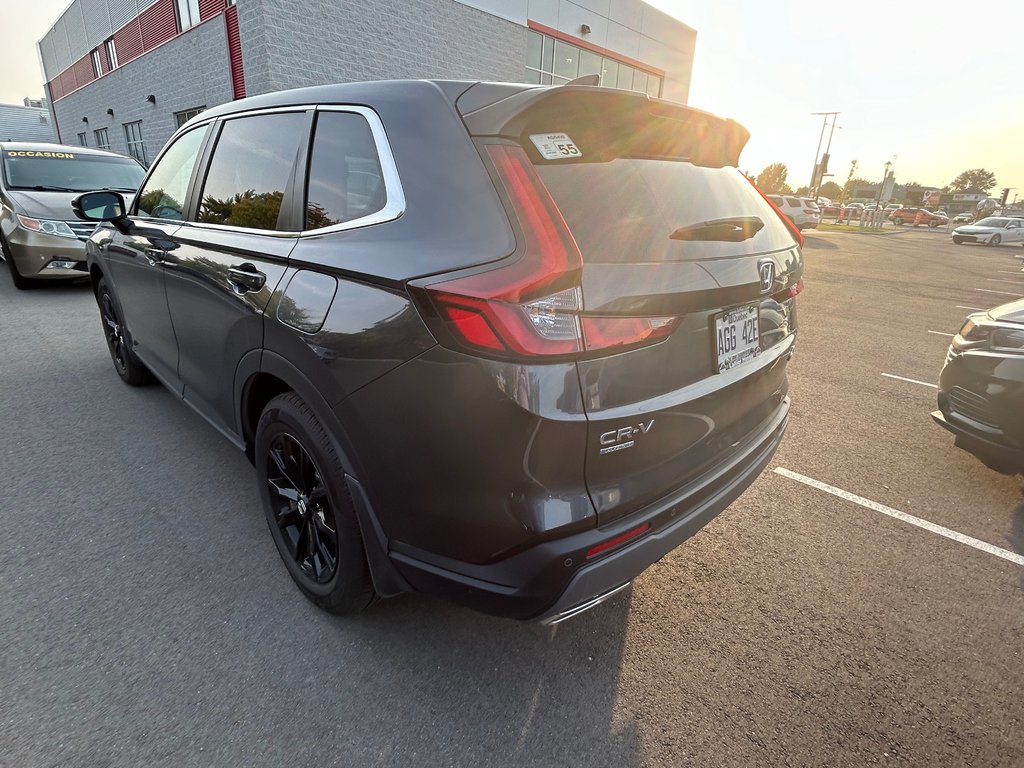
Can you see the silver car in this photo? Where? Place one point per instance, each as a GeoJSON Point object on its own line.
{"type": "Point", "coordinates": [991, 231]}
{"type": "Point", "coordinates": [40, 237]}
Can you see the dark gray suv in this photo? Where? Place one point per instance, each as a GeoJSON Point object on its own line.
{"type": "Point", "coordinates": [505, 344]}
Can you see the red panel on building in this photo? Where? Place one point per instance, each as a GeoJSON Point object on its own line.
{"type": "Point", "coordinates": [128, 42]}
{"type": "Point", "coordinates": [210, 8]}
{"type": "Point", "coordinates": [83, 71]}
{"type": "Point", "coordinates": [235, 52]}
{"type": "Point", "coordinates": [104, 58]}
{"type": "Point", "coordinates": [55, 88]}
{"type": "Point", "coordinates": [158, 24]}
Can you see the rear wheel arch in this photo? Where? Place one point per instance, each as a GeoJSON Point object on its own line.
{"type": "Point", "coordinates": [264, 375]}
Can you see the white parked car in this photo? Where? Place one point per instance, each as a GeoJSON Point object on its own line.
{"type": "Point", "coordinates": [804, 213]}
{"type": "Point", "coordinates": [991, 231]}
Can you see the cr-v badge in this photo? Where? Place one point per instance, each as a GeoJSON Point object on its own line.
{"type": "Point", "coordinates": [622, 438]}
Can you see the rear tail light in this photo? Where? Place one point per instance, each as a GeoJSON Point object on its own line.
{"type": "Point", "coordinates": [793, 228]}
{"type": "Point", "coordinates": [532, 304]}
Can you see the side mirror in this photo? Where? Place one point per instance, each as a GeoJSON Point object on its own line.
{"type": "Point", "coordinates": [99, 206]}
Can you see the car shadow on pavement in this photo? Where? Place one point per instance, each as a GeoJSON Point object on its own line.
{"type": "Point", "coordinates": [812, 243]}
{"type": "Point", "coordinates": [486, 691]}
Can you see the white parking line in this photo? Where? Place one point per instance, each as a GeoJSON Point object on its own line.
{"type": "Point", "coordinates": [948, 533]}
{"type": "Point", "coordinates": [1005, 272]}
{"type": "Point", "coordinates": [1003, 293]}
{"type": "Point", "coordinates": [1001, 280]}
{"type": "Point", "coordinates": [942, 333]}
{"type": "Point", "coordinates": [976, 309]}
{"type": "Point", "coordinates": [912, 381]}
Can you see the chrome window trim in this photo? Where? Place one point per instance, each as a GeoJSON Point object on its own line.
{"type": "Point", "coordinates": [394, 206]}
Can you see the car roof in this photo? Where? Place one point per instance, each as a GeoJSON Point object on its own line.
{"type": "Point", "coordinates": [341, 93]}
{"type": "Point", "coordinates": [36, 146]}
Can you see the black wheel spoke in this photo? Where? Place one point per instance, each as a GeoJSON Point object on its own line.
{"type": "Point", "coordinates": [303, 510]}
{"type": "Point", "coordinates": [283, 490]}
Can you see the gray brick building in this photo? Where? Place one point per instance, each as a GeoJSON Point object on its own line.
{"type": "Point", "coordinates": [123, 74]}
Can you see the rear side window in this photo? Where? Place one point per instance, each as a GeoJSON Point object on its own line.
{"type": "Point", "coordinates": [345, 178]}
{"type": "Point", "coordinates": [250, 170]}
{"type": "Point", "coordinates": [163, 196]}
{"type": "Point", "coordinates": [627, 209]}
{"type": "Point", "coordinates": [792, 202]}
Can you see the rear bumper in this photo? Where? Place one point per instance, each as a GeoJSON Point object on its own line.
{"type": "Point", "coordinates": [553, 581]}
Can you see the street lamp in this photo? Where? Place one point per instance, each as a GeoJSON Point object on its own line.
{"type": "Point", "coordinates": [885, 177]}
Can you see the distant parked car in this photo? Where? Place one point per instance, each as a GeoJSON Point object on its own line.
{"type": "Point", "coordinates": [802, 211]}
{"type": "Point", "coordinates": [40, 238]}
{"type": "Point", "coordinates": [991, 231]}
{"type": "Point", "coordinates": [961, 218]}
{"type": "Point", "coordinates": [917, 216]}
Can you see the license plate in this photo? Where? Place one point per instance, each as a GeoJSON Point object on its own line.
{"type": "Point", "coordinates": [737, 336]}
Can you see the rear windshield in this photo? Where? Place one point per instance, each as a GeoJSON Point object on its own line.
{"type": "Point", "coordinates": [69, 171]}
{"type": "Point", "coordinates": [626, 209]}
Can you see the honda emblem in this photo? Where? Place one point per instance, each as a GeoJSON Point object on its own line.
{"type": "Point", "coordinates": [767, 269]}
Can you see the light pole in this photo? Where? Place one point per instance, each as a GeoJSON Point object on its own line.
{"type": "Point", "coordinates": [881, 187]}
{"type": "Point", "coordinates": [814, 174]}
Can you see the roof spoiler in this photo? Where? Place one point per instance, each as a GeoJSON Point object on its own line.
{"type": "Point", "coordinates": [675, 130]}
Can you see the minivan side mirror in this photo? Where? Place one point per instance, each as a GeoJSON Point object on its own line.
{"type": "Point", "coordinates": [99, 206]}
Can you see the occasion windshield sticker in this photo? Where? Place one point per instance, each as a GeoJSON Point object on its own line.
{"type": "Point", "coordinates": [555, 146]}
{"type": "Point", "coordinates": [21, 153]}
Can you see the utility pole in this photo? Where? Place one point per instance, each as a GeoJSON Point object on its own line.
{"type": "Point", "coordinates": [815, 175]}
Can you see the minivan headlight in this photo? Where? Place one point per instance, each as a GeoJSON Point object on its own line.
{"type": "Point", "coordinates": [47, 227]}
{"type": "Point", "coordinates": [975, 329]}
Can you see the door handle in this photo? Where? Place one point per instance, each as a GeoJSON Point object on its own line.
{"type": "Point", "coordinates": [245, 278]}
{"type": "Point", "coordinates": [155, 255]}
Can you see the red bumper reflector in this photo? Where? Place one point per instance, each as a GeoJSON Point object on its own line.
{"type": "Point", "coordinates": [604, 546]}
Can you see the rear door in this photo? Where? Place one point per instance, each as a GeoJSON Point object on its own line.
{"type": "Point", "coordinates": [232, 252]}
{"type": "Point", "coordinates": [671, 234]}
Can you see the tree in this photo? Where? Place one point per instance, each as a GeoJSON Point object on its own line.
{"type": "Point", "coordinates": [848, 186]}
{"type": "Point", "coordinates": [852, 185]}
{"type": "Point", "coordinates": [977, 178]}
{"type": "Point", "coordinates": [773, 179]}
{"type": "Point", "coordinates": [802, 191]}
{"type": "Point", "coordinates": [831, 190]}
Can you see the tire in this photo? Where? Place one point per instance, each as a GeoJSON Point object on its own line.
{"type": "Point", "coordinates": [131, 370]}
{"type": "Point", "coordinates": [932, 224]}
{"type": "Point", "coordinates": [957, 241]}
{"type": "Point", "coordinates": [308, 507]}
{"type": "Point", "coordinates": [996, 240]}
{"type": "Point", "coordinates": [21, 282]}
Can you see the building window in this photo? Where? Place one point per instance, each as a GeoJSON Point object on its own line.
{"type": "Point", "coordinates": [180, 118]}
{"type": "Point", "coordinates": [188, 13]}
{"type": "Point", "coordinates": [97, 66]}
{"type": "Point", "coordinates": [554, 62]}
{"type": "Point", "coordinates": [111, 53]}
{"type": "Point", "coordinates": [82, 142]}
{"type": "Point", "coordinates": [133, 137]}
{"type": "Point", "coordinates": [102, 139]}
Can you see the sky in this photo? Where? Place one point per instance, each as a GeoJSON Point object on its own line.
{"type": "Point", "coordinates": [934, 91]}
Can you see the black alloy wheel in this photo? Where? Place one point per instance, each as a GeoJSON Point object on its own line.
{"type": "Point", "coordinates": [996, 240]}
{"type": "Point", "coordinates": [957, 241]}
{"type": "Point", "coordinates": [128, 366]}
{"type": "Point", "coordinates": [309, 509]}
{"type": "Point", "coordinates": [302, 510]}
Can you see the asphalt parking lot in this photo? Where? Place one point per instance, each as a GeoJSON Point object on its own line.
{"type": "Point", "coordinates": [146, 620]}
